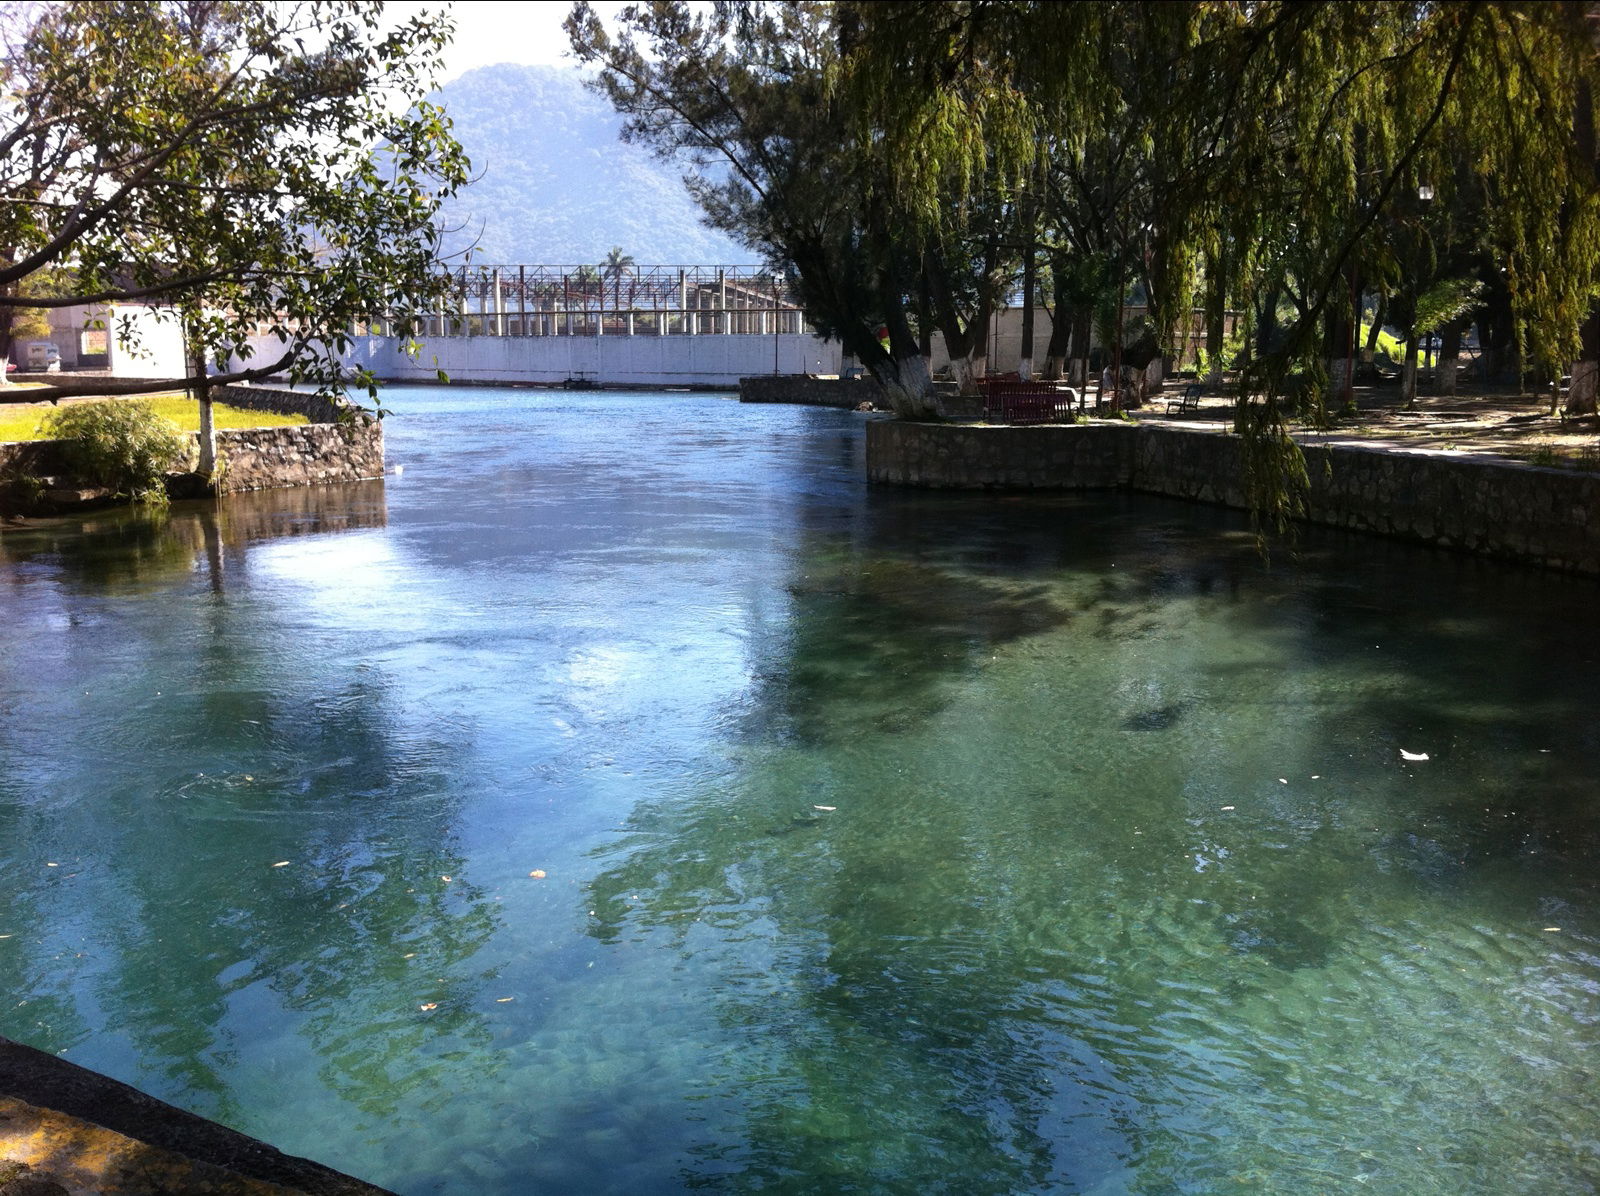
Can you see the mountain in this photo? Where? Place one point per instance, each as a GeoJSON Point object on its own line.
{"type": "Point", "coordinates": [556, 185]}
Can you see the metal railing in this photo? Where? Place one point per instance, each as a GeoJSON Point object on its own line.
{"type": "Point", "coordinates": [622, 300]}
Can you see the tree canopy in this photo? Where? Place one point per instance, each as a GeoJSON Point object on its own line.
{"type": "Point", "coordinates": [910, 156]}
{"type": "Point", "coordinates": [261, 168]}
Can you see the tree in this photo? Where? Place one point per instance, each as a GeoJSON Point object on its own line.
{"type": "Point", "coordinates": [253, 168]}
{"type": "Point", "coordinates": [743, 94]}
{"type": "Point", "coordinates": [616, 267]}
{"type": "Point", "coordinates": [1283, 133]}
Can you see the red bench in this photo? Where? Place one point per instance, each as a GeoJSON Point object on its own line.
{"type": "Point", "coordinates": [1010, 401]}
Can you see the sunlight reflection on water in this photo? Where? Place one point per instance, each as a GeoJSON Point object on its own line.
{"type": "Point", "coordinates": [887, 840]}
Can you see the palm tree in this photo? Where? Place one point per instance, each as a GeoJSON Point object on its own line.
{"type": "Point", "coordinates": [616, 266]}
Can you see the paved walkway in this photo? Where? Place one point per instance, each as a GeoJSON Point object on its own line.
{"type": "Point", "coordinates": [1515, 427]}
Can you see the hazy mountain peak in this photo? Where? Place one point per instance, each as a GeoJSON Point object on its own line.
{"type": "Point", "coordinates": [557, 185]}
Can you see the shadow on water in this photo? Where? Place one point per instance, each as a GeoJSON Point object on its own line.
{"type": "Point", "coordinates": [932, 1011]}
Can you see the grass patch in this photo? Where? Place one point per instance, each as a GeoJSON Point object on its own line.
{"type": "Point", "coordinates": [21, 421]}
{"type": "Point", "coordinates": [1392, 348]}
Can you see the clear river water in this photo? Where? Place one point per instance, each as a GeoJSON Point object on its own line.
{"type": "Point", "coordinates": [626, 798]}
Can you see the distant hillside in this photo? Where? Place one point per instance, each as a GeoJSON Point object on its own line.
{"type": "Point", "coordinates": [557, 185]}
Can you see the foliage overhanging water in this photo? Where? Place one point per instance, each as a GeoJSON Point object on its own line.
{"type": "Point", "coordinates": [887, 841]}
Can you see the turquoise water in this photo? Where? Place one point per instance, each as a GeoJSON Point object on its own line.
{"type": "Point", "coordinates": [890, 841]}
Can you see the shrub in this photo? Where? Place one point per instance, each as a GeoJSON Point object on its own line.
{"type": "Point", "coordinates": [121, 444]}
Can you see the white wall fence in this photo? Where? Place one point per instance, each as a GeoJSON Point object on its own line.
{"type": "Point", "coordinates": [139, 342]}
{"type": "Point", "coordinates": [711, 361]}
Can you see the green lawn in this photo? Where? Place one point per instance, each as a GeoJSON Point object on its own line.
{"type": "Point", "coordinates": [1388, 346]}
{"type": "Point", "coordinates": [21, 421]}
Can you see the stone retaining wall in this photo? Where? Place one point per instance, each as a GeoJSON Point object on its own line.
{"type": "Point", "coordinates": [804, 391]}
{"type": "Point", "coordinates": [1498, 508]}
{"type": "Point", "coordinates": [36, 458]}
{"type": "Point", "coordinates": [317, 409]}
{"type": "Point", "coordinates": [300, 455]}
{"type": "Point", "coordinates": [341, 444]}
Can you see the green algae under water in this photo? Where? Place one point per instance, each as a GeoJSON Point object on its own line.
{"type": "Point", "coordinates": [890, 841]}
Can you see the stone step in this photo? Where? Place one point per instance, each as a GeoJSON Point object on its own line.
{"type": "Point", "coordinates": [72, 496]}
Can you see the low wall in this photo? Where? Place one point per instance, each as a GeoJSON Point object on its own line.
{"type": "Point", "coordinates": [300, 455]}
{"type": "Point", "coordinates": [709, 361]}
{"type": "Point", "coordinates": [336, 447]}
{"type": "Point", "coordinates": [36, 458]}
{"type": "Point", "coordinates": [1498, 508]}
{"type": "Point", "coordinates": [316, 408]}
{"type": "Point", "coordinates": [848, 393]}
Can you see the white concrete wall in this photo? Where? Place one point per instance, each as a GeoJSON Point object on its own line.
{"type": "Point", "coordinates": [141, 342]}
{"type": "Point", "coordinates": [607, 360]}
{"type": "Point", "coordinates": [1005, 342]}
{"type": "Point", "coordinates": [146, 342]}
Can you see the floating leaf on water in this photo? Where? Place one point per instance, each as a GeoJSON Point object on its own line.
{"type": "Point", "coordinates": [537, 874]}
{"type": "Point", "coordinates": [1405, 755]}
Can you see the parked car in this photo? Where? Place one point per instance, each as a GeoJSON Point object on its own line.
{"type": "Point", "coordinates": [43, 356]}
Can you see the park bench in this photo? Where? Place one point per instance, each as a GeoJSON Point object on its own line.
{"type": "Point", "coordinates": [1188, 400]}
{"type": "Point", "coordinates": [1012, 401]}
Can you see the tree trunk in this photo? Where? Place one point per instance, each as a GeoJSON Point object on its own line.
{"type": "Point", "coordinates": [1025, 362]}
{"type": "Point", "coordinates": [6, 313]}
{"type": "Point", "coordinates": [1082, 334]}
{"type": "Point", "coordinates": [906, 385]}
{"type": "Point", "coordinates": [924, 318]}
{"type": "Point", "coordinates": [1450, 355]}
{"type": "Point", "coordinates": [1216, 317]}
{"type": "Point", "coordinates": [1055, 354]}
{"type": "Point", "coordinates": [965, 342]}
{"type": "Point", "coordinates": [1369, 351]}
{"type": "Point", "coordinates": [1585, 387]}
{"type": "Point", "coordinates": [985, 313]}
{"type": "Point", "coordinates": [1060, 324]}
{"type": "Point", "coordinates": [1586, 370]}
{"type": "Point", "coordinates": [1340, 334]}
{"type": "Point", "coordinates": [909, 386]}
{"type": "Point", "coordinates": [1408, 376]}
{"type": "Point", "coordinates": [207, 467]}
{"type": "Point", "coordinates": [1267, 318]}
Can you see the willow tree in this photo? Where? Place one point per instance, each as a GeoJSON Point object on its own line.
{"type": "Point", "coordinates": [742, 95]}
{"type": "Point", "coordinates": [252, 168]}
{"type": "Point", "coordinates": [1273, 124]}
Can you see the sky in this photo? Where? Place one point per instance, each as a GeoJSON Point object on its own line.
{"type": "Point", "coordinates": [491, 31]}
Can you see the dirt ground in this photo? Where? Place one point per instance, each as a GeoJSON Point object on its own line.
{"type": "Point", "coordinates": [1497, 422]}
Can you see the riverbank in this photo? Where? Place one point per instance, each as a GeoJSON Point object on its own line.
{"type": "Point", "coordinates": [1478, 502]}
{"type": "Point", "coordinates": [297, 439]}
{"type": "Point", "coordinates": [65, 1130]}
